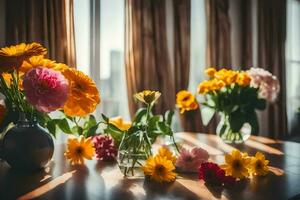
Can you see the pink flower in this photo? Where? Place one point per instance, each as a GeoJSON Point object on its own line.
{"type": "Point", "coordinates": [105, 147]}
{"type": "Point", "coordinates": [47, 90]}
{"type": "Point", "coordinates": [191, 160]}
{"type": "Point", "coordinates": [267, 83]}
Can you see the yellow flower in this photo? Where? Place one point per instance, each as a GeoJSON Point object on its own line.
{"type": "Point", "coordinates": [259, 165]}
{"type": "Point", "coordinates": [147, 96]}
{"type": "Point", "coordinates": [243, 79]}
{"type": "Point", "coordinates": [227, 76]}
{"type": "Point", "coordinates": [84, 95]}
{"type": "Point", "coordinates": [120, 123]}
{"type": "Point", "coordinates": [165, 152]}
{"type": "Point", "coordinates": [40, 61]}
{"type": "Point", "coordinates": [186, 101]}
{"type": "Point", "coordinates": [203, 87]}
{"type": "Point", "coordinates": [210, 72]}
{"type": "Point", "coordinates": [79, 149]}
{"type": "Point", "coordinates": [2, 113]}
{"type": "Point", "coordinates": [159, 169]}
{"type": "Point", "coordinates": [13, 56]}
{"type": "Point", "coordinates": [236, 164]}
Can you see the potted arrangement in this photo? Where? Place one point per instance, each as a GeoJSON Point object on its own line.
{"type": "Point", "coordinates": [235, 96]}
{"type": "Point", "coordinates": [33, 88]}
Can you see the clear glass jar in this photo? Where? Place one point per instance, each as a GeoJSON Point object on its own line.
{"type": "Point", "coordinates": [225, 132]}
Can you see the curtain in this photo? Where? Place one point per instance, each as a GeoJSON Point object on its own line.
{"type": "Point", "coordinates": [218, 48]}
{"type": "Point", "coordinates": [191, 120]}
{"type": "Point", "coordinates": [146, 53]}
{"type": "Point", "coordinates": [49, 22]}
{"type": "Point", "coordinates": [271, 56]}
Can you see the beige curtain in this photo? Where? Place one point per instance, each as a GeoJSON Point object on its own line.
{"type": "Point", "coordinates": [271, 56]}
{"type": "Point", "coordinates": [49, 22]}
{"type": "Point", "coordinates": [146, 54]}
{"type": "Point", "coordinates": [218, 48]}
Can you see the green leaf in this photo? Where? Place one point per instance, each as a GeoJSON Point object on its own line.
{"type": "Point", "coordinates": [77, 130]}
{"type": "Point", "coordinates": [106, 119]}
{"type": "Point", "coordinates": [260, 104]}
{"type": "Point", "coordinates": [153, 121]}
{"type": "Point", "coordinates": [236, 120]}
{"type": "Point", "coordinates": [115, 132]}
{"type": "Point", "coordinates": [164, 128]}
{"type": "Point", "coordinates": [253, 121]}
{"type": "Point", "coordinates": [140, 114]}
{"type": "Point", "coordinates": [64, 126]}
{"type": "Point", "coordinates": [92, 130]}
{"type": "Point", "coordinates": [168, 116]}
{"type": "Point", "coordinates": [51, 126]}
{"type": "Point", "coordinates": [207, 114]}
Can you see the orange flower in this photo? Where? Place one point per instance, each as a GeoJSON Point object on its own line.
{"type": "Point", "coordinates": [186, 101]}
{"type": "Point", "coordinates": [8, 78]}
{"type": "Point", "coordinates": [84, 95]}
{"type": "Point", "coordinates": [243, 79]}
{"type": "Point", "coordinates": [13, 56]}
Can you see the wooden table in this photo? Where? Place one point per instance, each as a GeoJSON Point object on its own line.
{"type": "Point", "coordinates": [98, 180]}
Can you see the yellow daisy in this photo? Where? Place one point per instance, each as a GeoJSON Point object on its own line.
{"type": "Point", "coordinates": [13, 56]}
{"type": "Point", "coordinates": [236, 164]}
{"type": "Point", "coordinates": [186, 101]}
{"type": "Point", "coordinates": [259, 165]}
{"type": "Point", "coordinates": [159, 169]}
{"type": "Point", "coordinates": [165, 152]}
{"type": "Point", "coordinates": [120, 123]}
{"type": "Point", "coordinates": [79, 149]}
{"type": "Point", "coordinates": [147, 96]}
{"type": "Point", "coordinates": [84, 95]}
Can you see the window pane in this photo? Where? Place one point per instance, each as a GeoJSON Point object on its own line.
{"type": "Point", "coordinates": [112, 73]}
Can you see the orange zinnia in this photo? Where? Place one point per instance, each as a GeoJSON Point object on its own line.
{"type": "Point", "coordinates": [84, 95]}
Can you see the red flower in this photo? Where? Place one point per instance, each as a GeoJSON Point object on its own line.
{"type": "Point", "coordinates": [105, 147]}
{"type": "Point", "coordinates": [212, 174]}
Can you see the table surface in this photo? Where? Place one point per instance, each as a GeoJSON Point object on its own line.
{"type": "Point", "coordinates": [100, 180]}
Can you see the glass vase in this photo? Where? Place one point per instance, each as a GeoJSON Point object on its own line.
{"type": "Point", "coordinates": [226, 133]}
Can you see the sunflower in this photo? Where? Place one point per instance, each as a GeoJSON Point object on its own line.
{"type": "Point", "coordinates": [79, 149]}
{"type": "Point", "coordinates": [13, 56]}
{"type": "Point", "coordinates": [159, 169]}
{"type": "Point", "coordinates": [147, 96]}
{"type": "Point", "coordinates": [165, 152]}
{"type": "Point", "coordinates": [186, 101]}
{"type": "Point", "coordinates": [120, 123]}
{"type": "Point", "coordinates": [84, 95]}
{"type": "Point", "coordinates": [259, 165]}
{"type": "Point", "coordinates": [236, 164]}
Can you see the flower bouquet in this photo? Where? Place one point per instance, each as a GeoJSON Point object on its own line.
{"type": "Point", "coordinates": [235, 95]}
{"type": "Point", "coordinates": [34, 87]}
{"type": "Point", "coordinates": [135, 141]}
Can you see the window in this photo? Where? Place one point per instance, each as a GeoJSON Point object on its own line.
{"type": "Point", "coordinates": [110, 78]}
{"type": "Point", "coordinates": [293, 65]}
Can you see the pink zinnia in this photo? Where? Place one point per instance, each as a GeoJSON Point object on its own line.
{"type": "Point", "coordinates": [105, 147]}
{"type": "Point", "coordinates": [191, 160]}
{"type": "Point", "coordinates": [45, 89]}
